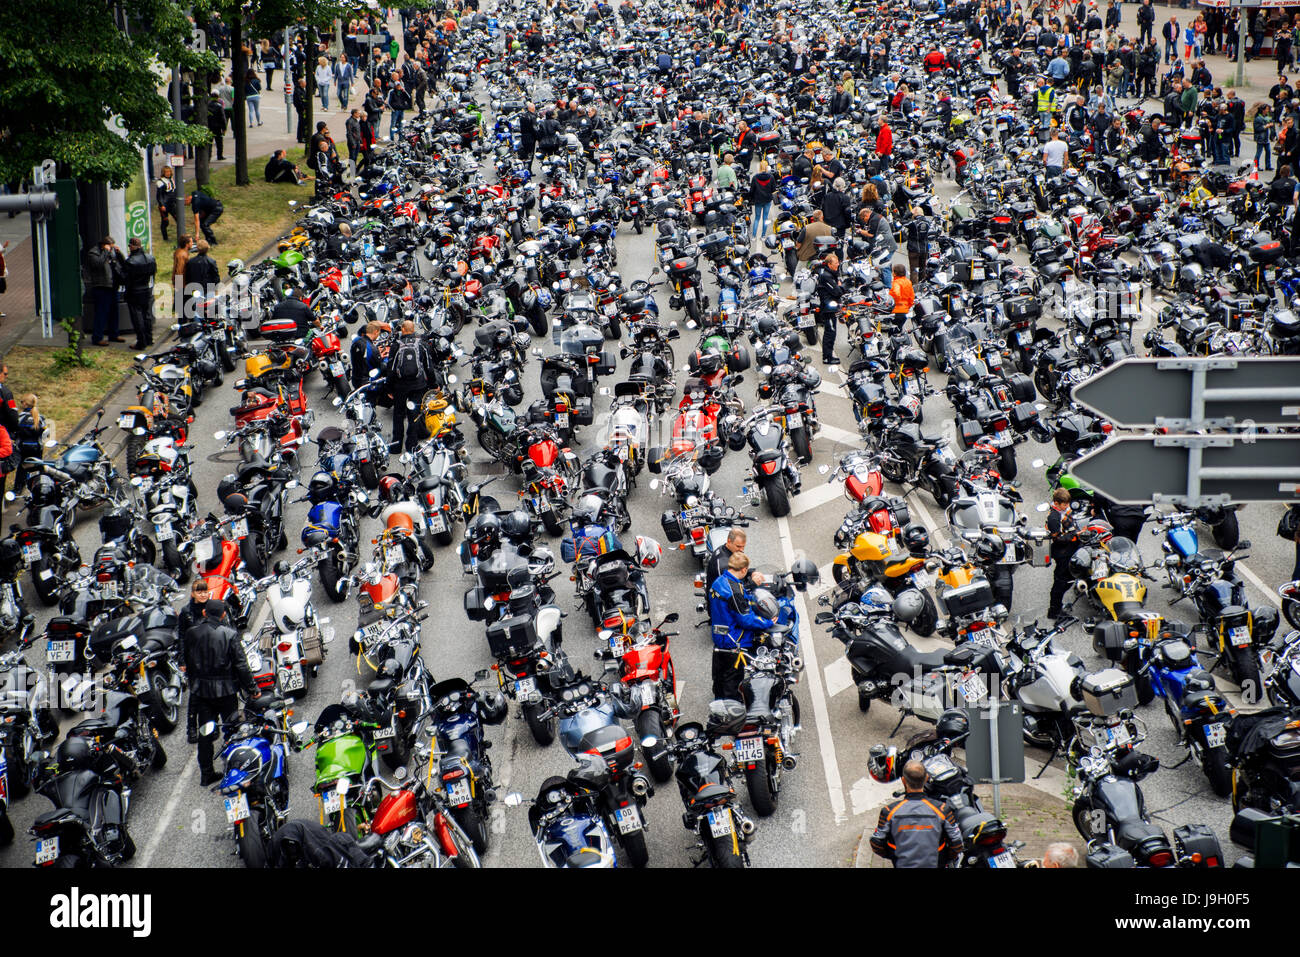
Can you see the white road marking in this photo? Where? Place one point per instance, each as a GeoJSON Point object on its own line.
{"type": "Point", "coordinates": [831, 389]}
{"type": "Point", "coordinates": [169, 811]}
{"type": "Point", "coordinates": [815, 497]}
{"type": "Point", "coordinates": [821, 714]}
{"type": "Point", "coordinates": [1264, 590]}
{"type": "Point", "coordinates": [842, 435]}
{"type": "Point", "coordinates": [868, 795]}
{"type": "Point", "coordinates": [839, 676]}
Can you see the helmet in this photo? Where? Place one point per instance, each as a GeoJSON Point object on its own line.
{"type": "Point", "coordinates": [1081, 563]}
{"type": "Point", "coordinates": [588, 509]}
{"type": "Point", "coordinates": [235, 267]}
{"type": "Point", "coordinates": [908, 605]}
{"type": "Point", "coordinates": [804, 573]}
{"type": "Point", "coordinates": [391, 669]}
{"type": "Point", "coordinates": [73, 754]}
{"type": "Point", "coordinates": [766, 325]}
{"type": "Point", "coordinates": [883, 763]}
{"type": "Point", "coordinates": [387, 487]}
{"type": "Point", "coordinates": [990, 548]}
{"type": "Point", "coordinates": [876, 599]}
{"type": "Point", "coordinates": [916, 539]}
{"type": "Point", "coordinates": [648, 551]}
{"type": "Point", "coordinates": [492, 707]}
{"type": "Point", "coordinates": [323, 482]}
{"type": "Point", "coordinates": [486, 529]}
{"type": "Point", "coordinates": [517, 525]}
{"type": "Point", "coordinates": [764, 603]}
{"type": "Point", "coordinates": [952, 724]}
{"type": "Point", "coordinates": [885, 302]}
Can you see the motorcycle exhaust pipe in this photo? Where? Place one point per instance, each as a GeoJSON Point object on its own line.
{"type": "Point", "coordinates": [789, 762]}
{"type": "Point", "coordinates": [640, 786]}
{"type": "Point", "coordinates": [747, 827]}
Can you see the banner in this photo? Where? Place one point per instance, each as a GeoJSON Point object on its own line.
{"type": "Point", "coordinates": [128, 208]}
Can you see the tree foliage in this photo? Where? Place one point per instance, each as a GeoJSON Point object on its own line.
{"type": "Point", "coordinates": [68, 69]}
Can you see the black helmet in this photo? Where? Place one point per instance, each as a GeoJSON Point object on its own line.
{"type": "Point", "coordinates": [990, 548]}
{"type": "Point", "coordinates": [952, 724]}
{"type": "Point", "coordinates": [486, 529]}
{"type": "Point", "coordinates": [916, 539]}
{"type": "Point", "coordinates": [492, 707]}
{"type": "Point", "coordinates": [73, 754]}
{"type": "Point", "coordinates": [517, 525]}
{"type": "Point", "coordinates": [804, 573]}
{"type": "Point", "coordinates": [766, 325]}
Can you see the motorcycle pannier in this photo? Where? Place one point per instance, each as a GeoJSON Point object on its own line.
{"type": "Point", "coordinates": [474, 607]}
{"type": "Point", "coordinates": [671, 526]}
{"type": "Point", "coordinates": [1108, 639]}
{"type": "Point", "coordinates": [681, 267]}
{"type": "Point", "coordinates": [1267, 252]}
{"type": "Point", "coordinates": [1191, 840]}
{"type": "Point", "coordinates": [968, 599]}
{"type": "Point", "coordinates": [1021, 308]}
{"type": "Point", "coordinates": [511, 637]}
{"type": "Point", "coordinates": [1108, 692]}
{"type": "Point", "coordinates": [281, 329]}
{"type": "Point", "coordinates": [1108, 856]}
{"type": "Point", "coordinates": [768, 139]}
{"type": "Point", "coordinates": [313, 649]}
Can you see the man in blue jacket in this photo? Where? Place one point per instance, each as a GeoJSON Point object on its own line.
{"type": "Point", "coordinates": [734, 623]}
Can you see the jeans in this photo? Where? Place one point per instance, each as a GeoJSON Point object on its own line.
{"type": "Point", "coordinates": [254, 109]}
{"type": "Point", "coordinates": [1053, 171]}
{"type": "Point", "coordinates": [1145, 34]}
{"type": "Point", "coordinates": [1267, 149]}
{"type": "Point", "coordinates": [761, 211]}
{"type": "Point", "coordinates": [324, 90]}
{"type": "Point", "coordinates": [342, 96]}
{"type": "Point", "coordinates": [395, 123]}
{"type": "Point", "coordinates": [1171, 50]}
{"type": "Point", "coordinates": [1221, 151]}
{"type": "Point", "coordinates": [105, 313]}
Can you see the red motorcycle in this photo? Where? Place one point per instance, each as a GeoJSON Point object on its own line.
{"type": "Point", "coordinates": [640, 655]}
{"type": "Point", "coordinates": [218, 558]}
{"type": "Point", "coordinates": [549, 471]}
{"type": "Point", "coordinates": [412, 828]}
{"type": "Point", "coordinates": [327, 352]}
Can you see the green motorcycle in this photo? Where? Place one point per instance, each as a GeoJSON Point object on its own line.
{"type": "Point", "coordinates": [345, 768]}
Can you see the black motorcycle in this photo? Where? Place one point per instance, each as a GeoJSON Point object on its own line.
{"type": "Point", "coordinates": [710, 808]}
{"type": "Point", "coordinates": [87, 827]}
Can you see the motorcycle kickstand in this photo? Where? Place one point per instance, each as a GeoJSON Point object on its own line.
{"type": "Point", "coordinates": [1056, 749]}
{"type": "Point", "coordinates": [901, 718]}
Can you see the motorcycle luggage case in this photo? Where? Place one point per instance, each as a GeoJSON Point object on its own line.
{"type": "Point", "coordinates": [1021, 308]}
{"type": "Point", "coordinates": [1191, 840]}
{"type": "Point", "coordinates": [1267, 252]}
{"type": "Point", "coordinates": [475, 609]}
{"type": "Point", "coordinates": [973, 657]}
{"type": "Point", "coordinates": [1245, 826]}
{"type": "Point", "coordinates": [968, 599]}
{"type": "Point", "coordinates": [511, 637]}
{"type": "Point", "coordinates": [1023, 210]}
{"type": "Point", "coordinates": [971, 430]}
{"type": "Point", "coordinates": [1108, 692]}
{"type": "Point", "coordinates": [1146, 204]}
{"type": "Point", "coordinates": [768, 139]}
{"type": "Point", "coordinates": [1108, 639]}
{"type": "Point", "coordinates": [313, 649]}
{"type": "Point", "coordinates": [1108, 856]}
{"type": "Point", "coordinates": [671, 526]}
{"type": "Point", "coordinates": [279, 330]}
{"type": "Point", "coordinates": [680, 267]}
{"type": "Point", "coordinates": [1023, 416]}
{"type": "Point", "coordinates": [583, 414]}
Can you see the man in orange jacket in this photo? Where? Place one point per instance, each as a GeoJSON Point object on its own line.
{"type": "Point", "coordinates": [884, 142]}
{"type": "Point", "coordinates": [902, 291]}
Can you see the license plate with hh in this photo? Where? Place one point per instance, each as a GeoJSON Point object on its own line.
{"type": "Point", "coordinates": [1003, 859]}
{"type": "Point", "coordinates": [237, 808]}
{"type": "Point", "coordinates": [1215, 735]}
{"type": "Point", "coordinates": [239, 528]}
{"type": "Point", "coordinates": [629, 819]}
{"type": "Point", "coordinates": [793, 420]}
{"type": "Point", "coordinates": [61, 651]}
{"type": "Point", "coordinates": [1239, 635]}
{"type": "Point", "coordinates": [750, 750]}
{"type": "Point", "coordinates": [163, 532]}
{"type": "Point", "coordinates": [31, 554]}
{"type": "Point", "coordinates": [336, 368]}
{"type": "Point", "coordinates": [291, 680]}
{"type": "Point", "coordinates": [720, 822]}
{"type": "Point", "coordinates": [458, 793]}
{"type": "Point", "coordinates": [47, 850]}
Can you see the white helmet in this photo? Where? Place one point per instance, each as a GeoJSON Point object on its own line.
{"type": "Point", "coordinates": [648, 551]}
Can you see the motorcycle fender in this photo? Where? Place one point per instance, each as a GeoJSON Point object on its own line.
{"type": "Point", "coordinates": [548, 623]}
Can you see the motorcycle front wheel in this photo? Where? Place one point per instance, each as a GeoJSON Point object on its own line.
{"type": "Point", "coordinates": [1217, 771]}
{"type": "Point", "coordinates": [176, 565]}
{"type": "Point", "coordinates": [250, 550]}
{"type": "Point", "coordinates": [165, 715]}
{"type": "Point", "coordinates": [543, 729]}
{"type": "Point", "coordinates": [329, 579]}
{"type": "Point", "coordinates": [1007, 462]}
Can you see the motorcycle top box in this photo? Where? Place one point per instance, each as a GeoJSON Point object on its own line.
{"type": "Point", "coordinates": [1108, 692]}
{"type": "Point", "coordinates": [511, 637]}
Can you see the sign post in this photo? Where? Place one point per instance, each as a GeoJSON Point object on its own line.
{"type": "Point", "coordinates": [997, 755]}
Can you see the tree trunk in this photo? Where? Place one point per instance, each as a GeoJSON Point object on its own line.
{"type": "Point", "coordinates": [202, 154]}
{"type": "Point", "coordinates": [237, 116]}
{"type": "Point", "coordinates": [309, 73]}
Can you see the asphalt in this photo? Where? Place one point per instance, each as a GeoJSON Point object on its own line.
{"type": "Point", "coordinates": [824, 804]}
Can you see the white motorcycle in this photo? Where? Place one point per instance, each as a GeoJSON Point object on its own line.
{"type": "Point", "coordinates": [290, 647]}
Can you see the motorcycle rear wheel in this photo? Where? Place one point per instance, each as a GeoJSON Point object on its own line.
{"type": "Point", "coordinates": [492, 442]}
{"type": "Point", "coordinates": [1217, 771]}
{"type": "Point", "coordinates": [329, 579]}
{"type": "Point", "coordinates": [761, 793]}
{"type": "Point", "coordinates": [17, 765]}
{"type": "Point", "coordinates": [638, 855]}
{"type": "Point", "coordinates": [250, 550]}
{"type": "Point", "coordinates": [47, 589]}
{"type": "Point", "coordinates": [778, 499]}
{"type": "Point", "coordinates": [6, 830]}
{"type": "Point", "coordinates": [474, 824]}
{"type": "Point", "coordinates": [177, 566]}
{"type": "Point", "coordinates": [251, 847]}
{"type": "Point", "coordinates": [369, 477]}
{"type": "Point", "coordinates": [724, 851]}
{"type": "Point", "coordinates": [649, 723]}
{"type": "Point", "coordinates": [802, 442]}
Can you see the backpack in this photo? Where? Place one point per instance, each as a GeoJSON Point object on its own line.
{"type": "Point", "coordinates": [408, 364]}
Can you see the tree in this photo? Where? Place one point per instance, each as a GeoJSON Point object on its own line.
{"type": "Point", "coordinates": [68, 67]}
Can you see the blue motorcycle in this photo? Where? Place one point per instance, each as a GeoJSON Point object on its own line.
{"type": "Point", "coordinates": [1164, 662]}
{"type": "Point", "coordinates": [332, 522]}
{"type": "Point", "coordinates": [254, 783]}
{"type": "Point", "coordinates": [566, 819]}
{"type": "Point", "coordinates": [464, 771]}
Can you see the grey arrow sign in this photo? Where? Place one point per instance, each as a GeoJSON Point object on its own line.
{"type": "Point", "coordinates": [1194, 469]}
{"type": "Point", "coordinates": [1187, 394]}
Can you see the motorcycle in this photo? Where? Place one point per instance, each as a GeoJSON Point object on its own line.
{"type": "Point", "coordinates": [459, 759]}
{"type": "Point", "coordinates": [711, 810]}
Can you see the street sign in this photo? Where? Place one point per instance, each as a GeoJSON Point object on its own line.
{"type": "Point", "coordinates": [995, 748]}
{"type": "Point", "coordinates": [1191, 393]}
{"type": "Point", "coordinates": [1194, 469]}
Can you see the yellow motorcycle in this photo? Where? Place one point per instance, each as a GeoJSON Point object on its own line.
{"type": "Point", "coordinates": [1109, 573]}
{"type": "Point", "coordinates": [884, 560]}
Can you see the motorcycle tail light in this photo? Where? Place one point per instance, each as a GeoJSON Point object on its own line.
{"type": "Point", "coordinates": [1000, 425]}
{"type": "Point", "coordinates": [428, 497]}
{"type": "Point", "coordinates": [283, 647]}
{"type": "Point", "coordinates": [1106, 428]}
{"type": "Point", "coordinates": [697, 534]}
{"type": "Point", "coordinates": [769, 468]}
{"type": "Point", "coordinates": [104, 577]}
{"type": "Point", "coordinates": [453, 775]}
{"type": "Point", "coordinates": [1161, 859]}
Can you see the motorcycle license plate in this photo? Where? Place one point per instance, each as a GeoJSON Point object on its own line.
{"type": "Point", "coordinates": [806, 322]}
{"type": "Point", "coordinates": [141, 684]}
{"type": "Point", "coordinates": [1117, 735]}
{"type": "Point", "coordinates": [609, 309]}
{"type": "Point", "coordinates": [236, 808]}
{"type": "Point", "coordinates": [691, 514]}
{"type": "Point", "coordinates": [333, 801]}
{"type": "Point", "coordinates": [163, 532]}
{"type": "Point", "coordinates": [787, 244]}
{"type": "Point", "coordinates": [794, 420]}
{"type": "Point", "coordinates": [1215, 735]}
{"type": "Point", "coordinates": [512, 217]}
{"type": "Point", "coordinates": [629, 819]}
{"type": "Point", "coordinates": [239, 528]}
{"type": "Point", "coordinates": [458, 793]}
{"type": "Point", "coordinates": [60, 651]}
{"type": "Point", "coordinates": [976, 272]}
{"type": "Point", "coordinates": [689, 293]}
{"type": "Point", "coordinates": [645, 694]}
{"type": "Point", "coordinates": [972, 687]}
{"type": "Point", "coordinates": [1239, 635]}
{"type": "Point", "coordinates": [126, 421]}
{"type": "Point", "coordinates": [980, 636]}
{"type": "Point", "coordinates": [336, 368]}
{"type": "Point", "coordinates": [566, 284]}
{"type": "Point", "coordinates": [525, 688]}
{"type": "Point", "coordinates": [108, 589]}
{"type": "Point", "coordinates": [31, 554]}
{"type": "Point", "coordinates": [1004, 859]}
{"type": "Point", "coordinates": [1024, 338]}
{"type": "Point", "coordinates": [562, 420]}
{"type": "Point", "coordinates": [292, 680]}
{"type": "Point", "coordinates": [1270, 274]}
{"type": "Point", "coordinates": [750, 750]}
{"type": "Point", "coordinates": [388, 732]}
{"type": "Point", "coordinates": [47, 850]}
{"type": "Point", "coordinates": [720, 822]}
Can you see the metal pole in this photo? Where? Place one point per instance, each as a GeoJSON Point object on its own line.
{"type": "Point", "coordinates": [43, 255]}
{"type": "Point", "coordinates": [288, 83]}
{"type": "Point", "coordinates": [993, 746]}
{"type": "Point", "coordinates": [178, 171]}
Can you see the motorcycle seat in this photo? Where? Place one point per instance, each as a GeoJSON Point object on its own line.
{"type": "Point", "coordinates": [56, 815]}
{"type": "Point", "coordinates": [709, 792]}
{"type": "Point", "coordinates": [1132, 833]}
{"type": "Point", "coordinates": [927, 660]}
{"type": "Point", "coordinates": [380, 687]}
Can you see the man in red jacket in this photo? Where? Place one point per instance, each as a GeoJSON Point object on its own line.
{"type": "Point", "coordinates": [935, 60]}
{"type": "Point", "coordinates": [884, 142]}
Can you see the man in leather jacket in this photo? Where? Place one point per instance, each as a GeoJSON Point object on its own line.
{"type": "Point", "coordinates": [717, 564]}
{"type": "Point", "coordinates": [916, 831]}
{"type": "Point", "coordinates": [218, 671]}
{"type": "Point", "coordinates": [828, 290]}
{"type": "Point", "coordinates": [733, 621]}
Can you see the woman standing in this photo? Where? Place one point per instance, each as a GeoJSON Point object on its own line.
{"type": "Point", "coordinates": [324, 76]}
{"type": "Point", "coordinates": [270, 58]}
{"type": "Point", "coordinates": [1261, 121]}
{"type": "Point", "coordinates": [28, 439]}
{"type": "Point", "coordinates": [253, 97]}
{"type": "Point", "coordinates": [761, 190]}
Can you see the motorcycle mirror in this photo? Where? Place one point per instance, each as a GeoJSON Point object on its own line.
{"type": "Point", "coordinates": [50, 443]}
{"type": "Point", "coordinates": [208, 729]}
{"type": "Point", "coordinates": [9, 496]}
{"type": "Point", "coordinates": [338, 401]}
{"type": "Point", "coordinates": [451, 380]}
{"type": "Point", "coordinates": [766, 370]}
{"type": "Point", "coordinates": [691, 324]}
{"type": "Point", "coordinates": [654, 485]}
{"type": "Point", "coordinates": [671, 617]}
{"type": "Point", "coordinates": [400, 773]}
{"type": "Point", "coordinates": [823, 469]}
{"type": "Point", "coordinates": [292, 483]}
{"type": "Point", "coordinates": [649, 741]}
{"type": "Point", "coordinates": [175, 326]}
{"type": "Point", "coordinates": [374, 373]}
{"type": "Point", "coordinates": [300, 728]}
{"type": "Point", "coordinates": [410, 405]}
{"type": "Point", "coordinates": [1041, 507]}
{"type": "Point", "coordinates": [1037, 463]}
{"type": "Point", "coordinates": [137, 481]}
{"type": "Point", "coordinates": [604, 390]}
{"type": "Point", "coordinates": [513, 799]}
{"type": "Point", "coordinates": [219, 435]}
